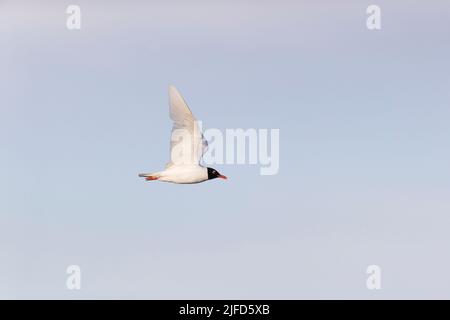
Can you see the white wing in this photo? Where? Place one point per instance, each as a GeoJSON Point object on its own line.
{"type": "Point", "coordinates": [187, 143]}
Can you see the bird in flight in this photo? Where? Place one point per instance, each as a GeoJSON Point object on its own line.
{"type": "Point", "coordinates": [187, 147]}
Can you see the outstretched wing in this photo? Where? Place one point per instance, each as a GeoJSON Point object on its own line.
{"type": "Point", "coordinates": [187, 143]}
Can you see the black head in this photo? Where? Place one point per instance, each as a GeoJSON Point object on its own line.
{"type": "Point", "coordinates": [213, 173]}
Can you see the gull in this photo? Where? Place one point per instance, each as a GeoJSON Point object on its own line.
{"type": "Point", "coordinates": [187, 147]}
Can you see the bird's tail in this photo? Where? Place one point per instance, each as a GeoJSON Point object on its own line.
{"type": "Point", "coordinates": [150, 176]}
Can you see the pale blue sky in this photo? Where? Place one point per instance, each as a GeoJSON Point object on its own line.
{"type": "Point", "coordinates": [364, 157]}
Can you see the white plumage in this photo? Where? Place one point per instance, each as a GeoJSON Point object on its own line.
{"type": "Point", "coordinates": [187, 147]}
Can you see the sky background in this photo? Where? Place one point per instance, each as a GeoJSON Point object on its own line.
{"type": "Point", "coordinates": [364, 149]}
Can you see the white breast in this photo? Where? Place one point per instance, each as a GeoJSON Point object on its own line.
{"type": "Point", "coordinates": [184, 174]}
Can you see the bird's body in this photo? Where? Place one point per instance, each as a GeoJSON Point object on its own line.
{"type": "Point", "coordinates": [180, 174]}
{"type": "Point", "coordinates": [186, 148]}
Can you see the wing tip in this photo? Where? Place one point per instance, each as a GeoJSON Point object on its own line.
{"type": "Point", "coordinates": [172, 88]}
